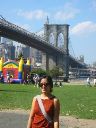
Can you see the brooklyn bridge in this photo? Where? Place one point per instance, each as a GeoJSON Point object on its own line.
{"type": "Point", "coordinates": [52, 53]}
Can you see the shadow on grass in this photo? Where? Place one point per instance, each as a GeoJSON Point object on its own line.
{"type": "Point", "coordinates": [2, 90]}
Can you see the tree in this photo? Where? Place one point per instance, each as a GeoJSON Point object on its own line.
{"type": "Point", "coordinates": [39, 71]}
{"type": "Point", "coordinates": [20, 56]}
{"type": "Point", "coordinates": [55, 72]}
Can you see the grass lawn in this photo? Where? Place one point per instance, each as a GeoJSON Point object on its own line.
{"type": "Point", "coordinates": [78, 101]}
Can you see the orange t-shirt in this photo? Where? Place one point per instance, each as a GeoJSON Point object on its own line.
{"type": "Point", "coordinates": [39, 120]}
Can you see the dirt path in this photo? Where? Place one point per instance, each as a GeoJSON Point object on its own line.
{"type": "Point", "coordinates": [19, 118]}
{"type": "Point", "coordinates": [70, 122]}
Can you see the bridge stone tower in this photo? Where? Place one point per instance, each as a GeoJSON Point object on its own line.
{"type": "Point", "coordinates": [56, 29]}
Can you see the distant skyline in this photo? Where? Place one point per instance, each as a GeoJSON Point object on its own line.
{"type": "Point", "coordinates": [79, 14]}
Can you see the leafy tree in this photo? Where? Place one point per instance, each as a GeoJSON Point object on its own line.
{"type": "Point", "coordinates": [20, 56]}
{"type": "Point", "coordinates": [55, 72]}
{"type": "Point", "coordinates": [39, 71]}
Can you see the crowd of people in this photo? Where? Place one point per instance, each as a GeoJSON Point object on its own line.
{"type": "Point", "coordinates": [34, 79]}
{"type": "Point", "coordinates": [29, 79]}
{"type": "Point", "coordinates": [91, 81]}
{"type": "Point", "coordinates": [8, 78]}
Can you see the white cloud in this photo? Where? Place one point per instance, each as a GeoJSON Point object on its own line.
{"type": "Point", "coordinates": [64, 13]}
{"type": "Point", "coordinates": [83, 28]}
{"type": "Point", "coordinates": [68, 12]}
{"type": "Point", "coordinates": [36, 14]}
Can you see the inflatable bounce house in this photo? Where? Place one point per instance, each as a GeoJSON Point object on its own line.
{"type": "Point", "coordinates": [18, 71]}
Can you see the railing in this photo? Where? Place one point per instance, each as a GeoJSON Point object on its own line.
{"type": "Point", "coordinates": [30, 34]}
{"type": "Point", "coordinates": [33, 35]}
{"type": "Point", "coordinates": [16, 27]}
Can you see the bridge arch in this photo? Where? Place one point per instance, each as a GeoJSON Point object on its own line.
{"type": "Point", "coordinates": [57, 29]}
{"type": "Point", "coordinates": [60, 41]}
{"type": "Point", "coordinates": [51, 39]}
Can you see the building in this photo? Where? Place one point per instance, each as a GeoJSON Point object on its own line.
{"type": "Point", "coordinates": [11, 50]}
{"type": "Point", "coordinates": [7, 50]}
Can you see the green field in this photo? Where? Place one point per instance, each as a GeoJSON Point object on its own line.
{"type": "Point", "coordinates": [78, 101]}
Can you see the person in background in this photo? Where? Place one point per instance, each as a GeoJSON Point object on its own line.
{"type": "Point", "coordinates": [51, 106]}
{"type": "Point", "coordinates": [94, 81]}
{"type": "Point", "coordinates": [28, 79]}
{"type": "Point", "coordinates": [8, 77]}
{"type": "Point", "coordinates": [88, 81]}
{"type": "Point", "coordinates": [36, 80]}
{"type": "Point", "coordinates": [2, 78]}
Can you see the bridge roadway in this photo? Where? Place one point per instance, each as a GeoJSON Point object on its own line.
{"type": "Point", "coordinates": [14, 32]}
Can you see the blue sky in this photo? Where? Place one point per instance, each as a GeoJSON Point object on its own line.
{"type": "Point", "coordinates": [79, 14]}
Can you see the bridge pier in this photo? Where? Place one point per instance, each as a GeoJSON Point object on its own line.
{"type": "Point", "coordinates": [56, 30]}
{"type": "Point", "coordinates": [48, 61]}
{"type": "Point", "coordinates": [43, 66]}
{"type": "Point", "coordinates": [66, 49]}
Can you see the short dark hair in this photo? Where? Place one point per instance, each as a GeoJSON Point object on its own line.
{"type": "Point", "coordinates": [49, 80]}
